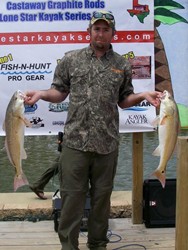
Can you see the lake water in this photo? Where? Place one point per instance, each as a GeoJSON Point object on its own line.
{"type": "Point", "coordinates": [42, 150]}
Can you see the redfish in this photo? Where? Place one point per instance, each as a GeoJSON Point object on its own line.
{"type": "Point", "coordinates": [168, 127]}
{"type": "Point", "coordinates": [14, 126]}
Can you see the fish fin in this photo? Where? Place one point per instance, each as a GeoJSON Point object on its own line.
{"type": "Point", "coordinates": [163, 120]}
{"type": "Point", "coordinates": [8, 154]}
{"type": "Point", "coordinates": [161, 176]}
{"type": "Point", "coordinates": [157, 152]}
{"type": "Point", "coordinates": [19, 181]}
{"type": "Point", "coordinates": [24, 154]}
{"type": "Point", "coordinates": [26, 121]}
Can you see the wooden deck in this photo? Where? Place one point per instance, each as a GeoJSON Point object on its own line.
{"type": "Point", "coordinates": [24, 235]}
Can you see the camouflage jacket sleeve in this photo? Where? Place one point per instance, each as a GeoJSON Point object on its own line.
{"type": "Point", "coordinates": [126, 87]}
{"type": "Point", "coordinates": [61, 80]}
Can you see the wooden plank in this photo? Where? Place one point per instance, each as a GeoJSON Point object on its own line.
{"type": "Point", "coordinates": [31, 247]}
{"type": "Point", "coordinates": [137, 189]}
{"type": "Point", "coordinates": [122, 234]}
{"type": "Point", "coordinates": [181, 195]}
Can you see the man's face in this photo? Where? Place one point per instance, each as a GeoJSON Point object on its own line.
{"type": "Point", "coordinates": [101, 35]}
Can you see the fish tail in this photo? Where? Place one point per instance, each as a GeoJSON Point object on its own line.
{"type": "Point", "coordinates": [161, 176]}
{"type": "Point", "coordinates": [19, 181]}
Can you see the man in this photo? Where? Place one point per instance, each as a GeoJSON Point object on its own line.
{"type": "Point", "coordinates": [97, 80]}
{"type": "Point", "coordinates": [38, 186]}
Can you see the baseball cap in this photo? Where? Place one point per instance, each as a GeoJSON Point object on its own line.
{"type": "Point", "coordinates": [103, 15]}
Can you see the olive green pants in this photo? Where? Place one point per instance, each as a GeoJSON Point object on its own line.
{"type": "Point", "coordinates": [80, 173]}
{"type": "Point", "coordinates": [49, 173]}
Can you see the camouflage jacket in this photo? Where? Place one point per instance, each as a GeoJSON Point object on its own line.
{"type": "Point", "coordinates": [95, 87]}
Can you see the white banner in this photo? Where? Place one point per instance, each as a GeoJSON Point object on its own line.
{"type": "Point", "coordinates": [34, 35]}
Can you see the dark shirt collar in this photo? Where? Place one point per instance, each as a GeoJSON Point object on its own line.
{"type": "Point", "coordinates": [91, 53]}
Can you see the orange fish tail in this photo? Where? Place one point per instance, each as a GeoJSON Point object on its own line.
{"type": "Point", "coordinates": [19, 181]}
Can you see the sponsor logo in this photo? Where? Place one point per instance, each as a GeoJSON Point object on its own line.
{"type": "Point", "coordinates": [140, 107]}
{"type": "Point", "coordinates": [136, 119]}
{"type": "Point", "coordinates": [136, 109]}
{"type": "Point", "coordinates": [58, 107]}
{"type": "Point", "coordinates": [30, 109]}
{"type": "Point", "coordinates": [36, 122]}
{"type": "Point", "coordinates": [59, 123]}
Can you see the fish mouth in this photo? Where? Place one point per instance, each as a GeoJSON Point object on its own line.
{"type": "Point", "coordinates": [21, 94]}
{"type": "Point", "coordinates": [164, 95]}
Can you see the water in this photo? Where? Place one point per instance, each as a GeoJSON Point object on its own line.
{"type": "Point", "coordinates": [42, 150]}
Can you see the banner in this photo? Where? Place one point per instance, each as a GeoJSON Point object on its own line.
{"type": "Point", "coordinates": [171, 49]}
{"type": "Point", "coordinates": [34, 36]}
